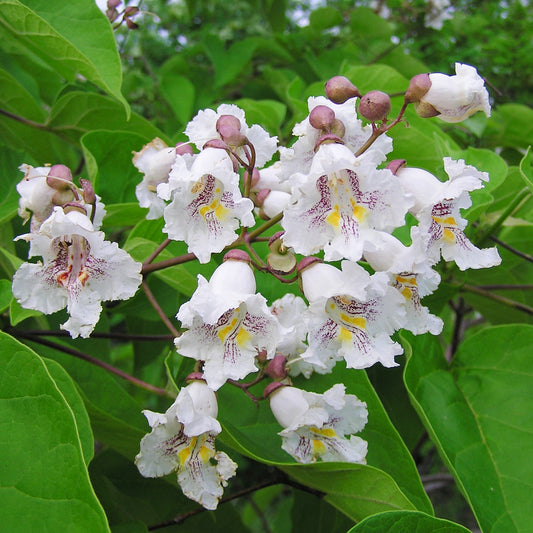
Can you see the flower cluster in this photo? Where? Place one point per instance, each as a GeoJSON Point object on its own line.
{"type": "Point", "coordinates": [79, 268]}
{"type": "Point", "coordinates": [335, 198]}
{"type": "Point", "coordinates": [332, 196]}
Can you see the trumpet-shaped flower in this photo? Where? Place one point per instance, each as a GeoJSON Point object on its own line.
{"type": "Point", "coordinates": [228, 324]}
{"type": "Point", "coordinates": [351, 316]}
{"type": "Point", "coordinates": [207, 206]}
{"type": "Point", "coordinates": [154, 161]}
{"type": "Point", "coordinates": [437, 208]}
{"type": "Point", "coordinates": [38, 198]}
{"type": "Point", "coordinates": [341, 205]}
{"type": "Point", "coordinates": [203, 128]}
{"type": "Point", "coordinates": [79, 270]}
{"type": "Point", "coordinates": [183, 440]}
{"type": "Point", "coordinates": [410, 273]}
{"type": "Point", "coordinates": [316, 425]}
{"type": "Point", "coordinates": [455, 98]}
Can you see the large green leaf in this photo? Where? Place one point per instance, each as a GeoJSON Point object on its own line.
{"type": "Point", "coordinates": [73, 37]}
{"type": "Point", "coordinates": [44, 480]}
{"type": "Point", "coordinates": [478, 412]}
{"type": "Point", "coordinates": [406, 522]}
{"type": "Point", "coordinates": [77, 113]}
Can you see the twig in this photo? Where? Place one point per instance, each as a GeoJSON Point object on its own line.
{"type": "Point", "coordinates": [157, 251]}
{"type": "Point", "coordinates": [94, 335]}
{"type": "Point", "coordinates": [155, 304]}
{"type": "Point", "coordinates": [88, 358]}
{"type": "Point", "coordinates": [497, 298]}
{"type": "Point", "coordinates": [160, 265]}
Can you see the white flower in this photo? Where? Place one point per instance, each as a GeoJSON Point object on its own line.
{"type": "Point", "coordinates": [79, 270]}
{"type": "Point", "coordinates": [38, 199]}
{"type": "Point", "coordinates": [341, 203]}
{"type": "Point", "coordinates": [183, 439]}
{"type": "Point", "coordinates": [207, 206]}
{"type": "Point", "coordinates": [228, 324]}
{"type": "Point", "coordinates": [351, 316]}
{"type": "Point", "coordinates": [410, 273]}
{"type": "Point", "coordinates": [298, 158]}
{"type": "Point", "coordinates": [316, 425]}
{"type": "Point", "coordinates": [437, 209]}
{"type": "Point", "coordinates": [457, 97]}
{"type": "Point", "coordinates": [154, 161]}
{"type": "Point", "coordinates": [289, 311]}
{"type": "Point", "coordinates": [202, 128]}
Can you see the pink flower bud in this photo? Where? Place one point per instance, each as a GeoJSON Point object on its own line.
{"type": "Point", "coordinates": [276, 368]}
{"type": "Point", "coordinates": [59, 177]}
{"type": "Point", "coordinates": [228, 121]}
{"type": "Point", "coordinates": [184, 148]}
{"type": "Point", "coordinates": [88, 191]}
{"type": "Point", "coordinates": [375, 105]}
{"type": "Point", "coordinates": [237, 255]}
{"type": "Point", "coordinates": [395, 165]}
{"type": "Point", "coordinates": [322, 118]}
{"type": "Point", "coordinates": [418, 87]}
{"type": "Point", "coordinates": [339, 89]}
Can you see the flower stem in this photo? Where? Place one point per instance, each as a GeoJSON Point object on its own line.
{"type": "Point", "coordinates": [160, 265]}
{"type": "Point", "coordinates": [157, 251]}
{"type": "Point", "coordinates": [497, 298]}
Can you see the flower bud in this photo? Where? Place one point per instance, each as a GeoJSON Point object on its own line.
{"type": "Point", "coordinates": [203, 398]}
{"type": "Point", "coordinates": [232, 136]}
{"type": "Point", "coordinates": [287, 404]}
{"type": "Point", "coordinates": [375, 105]}
{"type": "Point", "coordinates": [339, 89]}
{"type": "Point", "coordinates": [327, 139]}
{"type": "Point", "coordinates": [228, 121]}
{"type": "Point", "coordinates": [255, 177]}
{"type": "Point", "coordinates": [276, 368]}
{"type": "Point", "coordinates": [395, 165]}
{"type": "Point", "coordinates": [62, 197]}
{"type": "Point", "coordinates": [59, 177]}
{"type": "Point", "coordinates": [183, 149]}
{"type": "Point", "coordinates": [418, 87]}
{"type": "Point", "coordinates": [322, 118]}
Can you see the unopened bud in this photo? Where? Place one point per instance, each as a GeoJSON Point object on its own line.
{"type": "Point", "coordinates": [418, 87]}
{"type": "Point", "coordinates": [281, 259]}
{"type": "Point", "coordinates": [130, 11]}
{"type": "Point", "coordinates": [339, 89]}
{"type": "Point", "coordinates": [276, 368]}
{"type": "Point", "coordinates": [232, 136]}
{"type": "Point", "coordinates": [375, 105]}
{"type": "Point", "coordinates": [260, 197]}
{"type": "Point", "coordinates": [59, 177]}
{"type": "Point", "coordinates": [184, 148]}
{"type": "Point", "coordinates": [322, 118]}
{"type": "Point", "coordinates": [228, 121]}
{"type": "Point", "coordinates": [396, 165]}
{"type": "Point", "coordinates": [271, 387]}
{"type": "Point", "coordinates": [113, 3]}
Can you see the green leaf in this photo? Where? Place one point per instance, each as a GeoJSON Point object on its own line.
{"type": "Point", "coordinates": [5, 294]}
{"type": "Point", "coordinates": [73, 398]}
{"type": "Point", "coordinates": [268, 113]}
{"type": "Point", "coordinates": [77, 113]}
{"type": "Point", "coordinates": [43, 478]}
{"type": "Point", "coordinates": [9, 196]}
{"type": "Point", "coordinates": [356, 490]}
{"type": "Point", "coordinates": [478, 412]}
{"type": "Point", "coordinates": [525, 169]}
{"type": "Point", "coordinates": [127, 214]}
{"type": "Point", "coordinates": [72, 37]}
{"type": "Point", "coordinates": [109, 161]}
{"type": "Point", "coordinates": [324, 17]}
{"type": "Point", "coordinates": [179, 92]}
{"type": "Point", "coordinates": [406, 521]}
